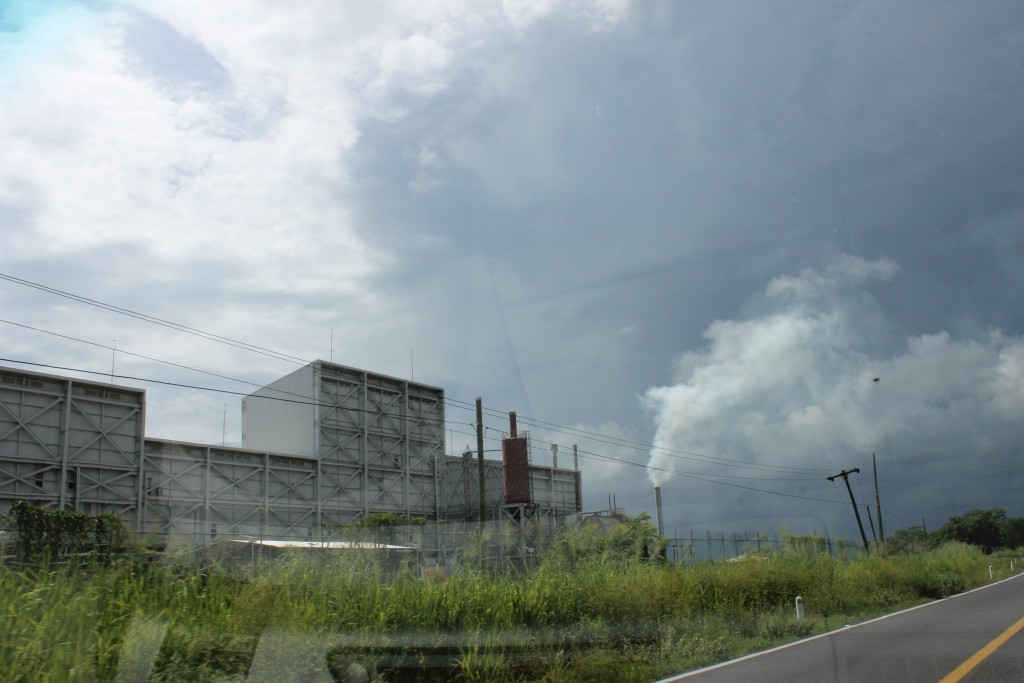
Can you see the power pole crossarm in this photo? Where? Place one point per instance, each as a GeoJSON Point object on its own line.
{"type": "Point", "coordinates": [845, 474]}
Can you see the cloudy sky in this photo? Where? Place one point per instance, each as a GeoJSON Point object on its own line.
{"type": "Point", "coordinates": [698, 229]}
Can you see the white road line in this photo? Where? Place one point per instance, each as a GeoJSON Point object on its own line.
{"type": "Point", "coordinates": [720, 665]}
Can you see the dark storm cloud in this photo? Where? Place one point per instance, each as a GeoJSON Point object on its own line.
{"type": "Point", "coordinates": [629, 187]}
{"type": "Point", "coordinates": [636, 147]}
{"type": "Point", "coordinates": [582, 165]}
{"type": "Point", "coordinates": [931, 177]}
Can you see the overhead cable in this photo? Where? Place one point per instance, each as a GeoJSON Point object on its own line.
{"type": "Point", "coordinates": [156, 321]}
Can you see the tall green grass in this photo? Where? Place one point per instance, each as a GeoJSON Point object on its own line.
{"type": "Point", "coordinates": [602, 619]}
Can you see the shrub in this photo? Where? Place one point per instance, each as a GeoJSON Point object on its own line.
{"type": "Point", "coordinates": [45, 536]}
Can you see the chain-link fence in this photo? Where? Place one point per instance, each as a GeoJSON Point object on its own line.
{"type": "Point", "coordinates": [722, 546]}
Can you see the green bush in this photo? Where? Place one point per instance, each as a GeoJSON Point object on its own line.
{"type": "Point", "coordinates": [44, 536]}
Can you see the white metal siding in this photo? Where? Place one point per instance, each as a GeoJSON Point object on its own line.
{"type": "Point", "coordinates": [280, 416]}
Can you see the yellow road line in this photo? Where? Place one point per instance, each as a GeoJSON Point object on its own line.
{"type": "Point", "coordinates": [979, 656]}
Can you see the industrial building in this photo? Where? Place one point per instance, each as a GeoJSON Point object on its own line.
{"type": "Point", "coordinates": [323, 445]}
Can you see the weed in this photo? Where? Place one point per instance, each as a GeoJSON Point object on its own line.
{"type": "Point", "coordinates": [611, 617]}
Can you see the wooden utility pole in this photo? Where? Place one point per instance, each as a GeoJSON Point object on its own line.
{"type": "Point", "coordinates": [874, 536]}
{"type": "Point", "coordinates": [878, 503]}
{"type": "Point", "coordinates": [845, 474]}
{"type": "Point", "coordinates": [480, 457]}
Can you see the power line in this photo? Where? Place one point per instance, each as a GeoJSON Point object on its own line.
{"type": "Point", "coordinates": [542, 442]}
{"type": "Point", "coordinates": [139, 355]}
{"type": "Point", "coordinates": [647, 448]}
{"type": "Point", "coordinates": [455, 403]}
{"type": "Point", "coordinates": [156, 321]}
{"type": "Point", "coordinates": [712, 481]}
{"type": "Point", "coordinates": [303, 400]}
{"type": "Point", "coordinates": [902, 519]}
{"type": "Point", "coordinates": [598, 456]}
{"type": "Point", "coordinates": [604, 438]}
{"type": "Point", "coordinates": [306, 400]}
{"type": "Point", "coordinates": [571, 431]}
{"type": "Point", "coordinates": [586, 454]}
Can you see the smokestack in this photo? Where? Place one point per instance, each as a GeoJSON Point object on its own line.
{"type": "Point", "coordinates": [554, 456]}
{"type": "Point", "coordinates": [515, 466]}
{"type": "Point", "coordinates": [657, 502]}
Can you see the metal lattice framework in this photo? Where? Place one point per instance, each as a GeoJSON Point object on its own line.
{"type": "Point", "coordinates": [377, 446]}
{"type": "Point", "coordinates": [207, 490]}
{"type": "Point", "coordinates": [382, 433]}
{"type": "Point", "coordinates": [71, 444]}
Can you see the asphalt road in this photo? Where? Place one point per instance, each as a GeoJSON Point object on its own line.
{"type": "Point", "coordinates": [926, 643]}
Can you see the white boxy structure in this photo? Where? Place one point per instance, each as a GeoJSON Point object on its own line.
{"type": "Point", "coordinates": [378, 441]}
{"type": "Point", "coordinates": [323, 445]}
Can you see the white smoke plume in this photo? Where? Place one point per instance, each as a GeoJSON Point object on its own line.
{"type": "Point", "coordinates": [795, 385]}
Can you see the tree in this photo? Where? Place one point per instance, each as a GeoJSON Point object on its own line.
{"type": "Point", "coordinates": [982, 528]}
{"type": "Point", "coordinates": [1013, 532]}
{"type": "Point", "coordinates": [908, 541]}
{"type": "Point", "coordinates": [637, 539]}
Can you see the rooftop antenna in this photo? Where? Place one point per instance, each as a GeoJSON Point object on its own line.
{"type": "Point", "coordinates": [412, 364]}
{"type": "Point", "coordinates": [224, 428]}
{"type": "Point", "coordinates": [332, 344]}
{"type": "Point", "coordinates": [113, 354]}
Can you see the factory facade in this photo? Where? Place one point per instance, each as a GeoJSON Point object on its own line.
{"type": "Point", "coordinates": [324, 445]}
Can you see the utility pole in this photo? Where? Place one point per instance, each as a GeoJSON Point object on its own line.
{"type": "Point", "coordinates": [480, 457]}
{"type": "Point", "coordinates": [878, 503]}
{"type": "Point", "coordinates": [872, 523]}
{"type": "Point", "coordinates": [845, 474]}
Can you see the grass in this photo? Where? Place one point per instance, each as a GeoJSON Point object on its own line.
{"type": "Point", "coordinates": [603, 620]}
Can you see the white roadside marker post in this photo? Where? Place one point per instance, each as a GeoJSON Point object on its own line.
{"type": "Point", "coordinates": [799, 608]}
{"type": "Point", "coordinates": [991, 574]}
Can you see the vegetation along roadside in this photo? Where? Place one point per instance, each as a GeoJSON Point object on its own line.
{"type": "Point", "coordinates": [595, 608]}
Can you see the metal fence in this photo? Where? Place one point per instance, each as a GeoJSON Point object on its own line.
{"type": "Point", "coordinates": [722, 546]}
{"type": "Point", "coordinates": [510, 543]}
